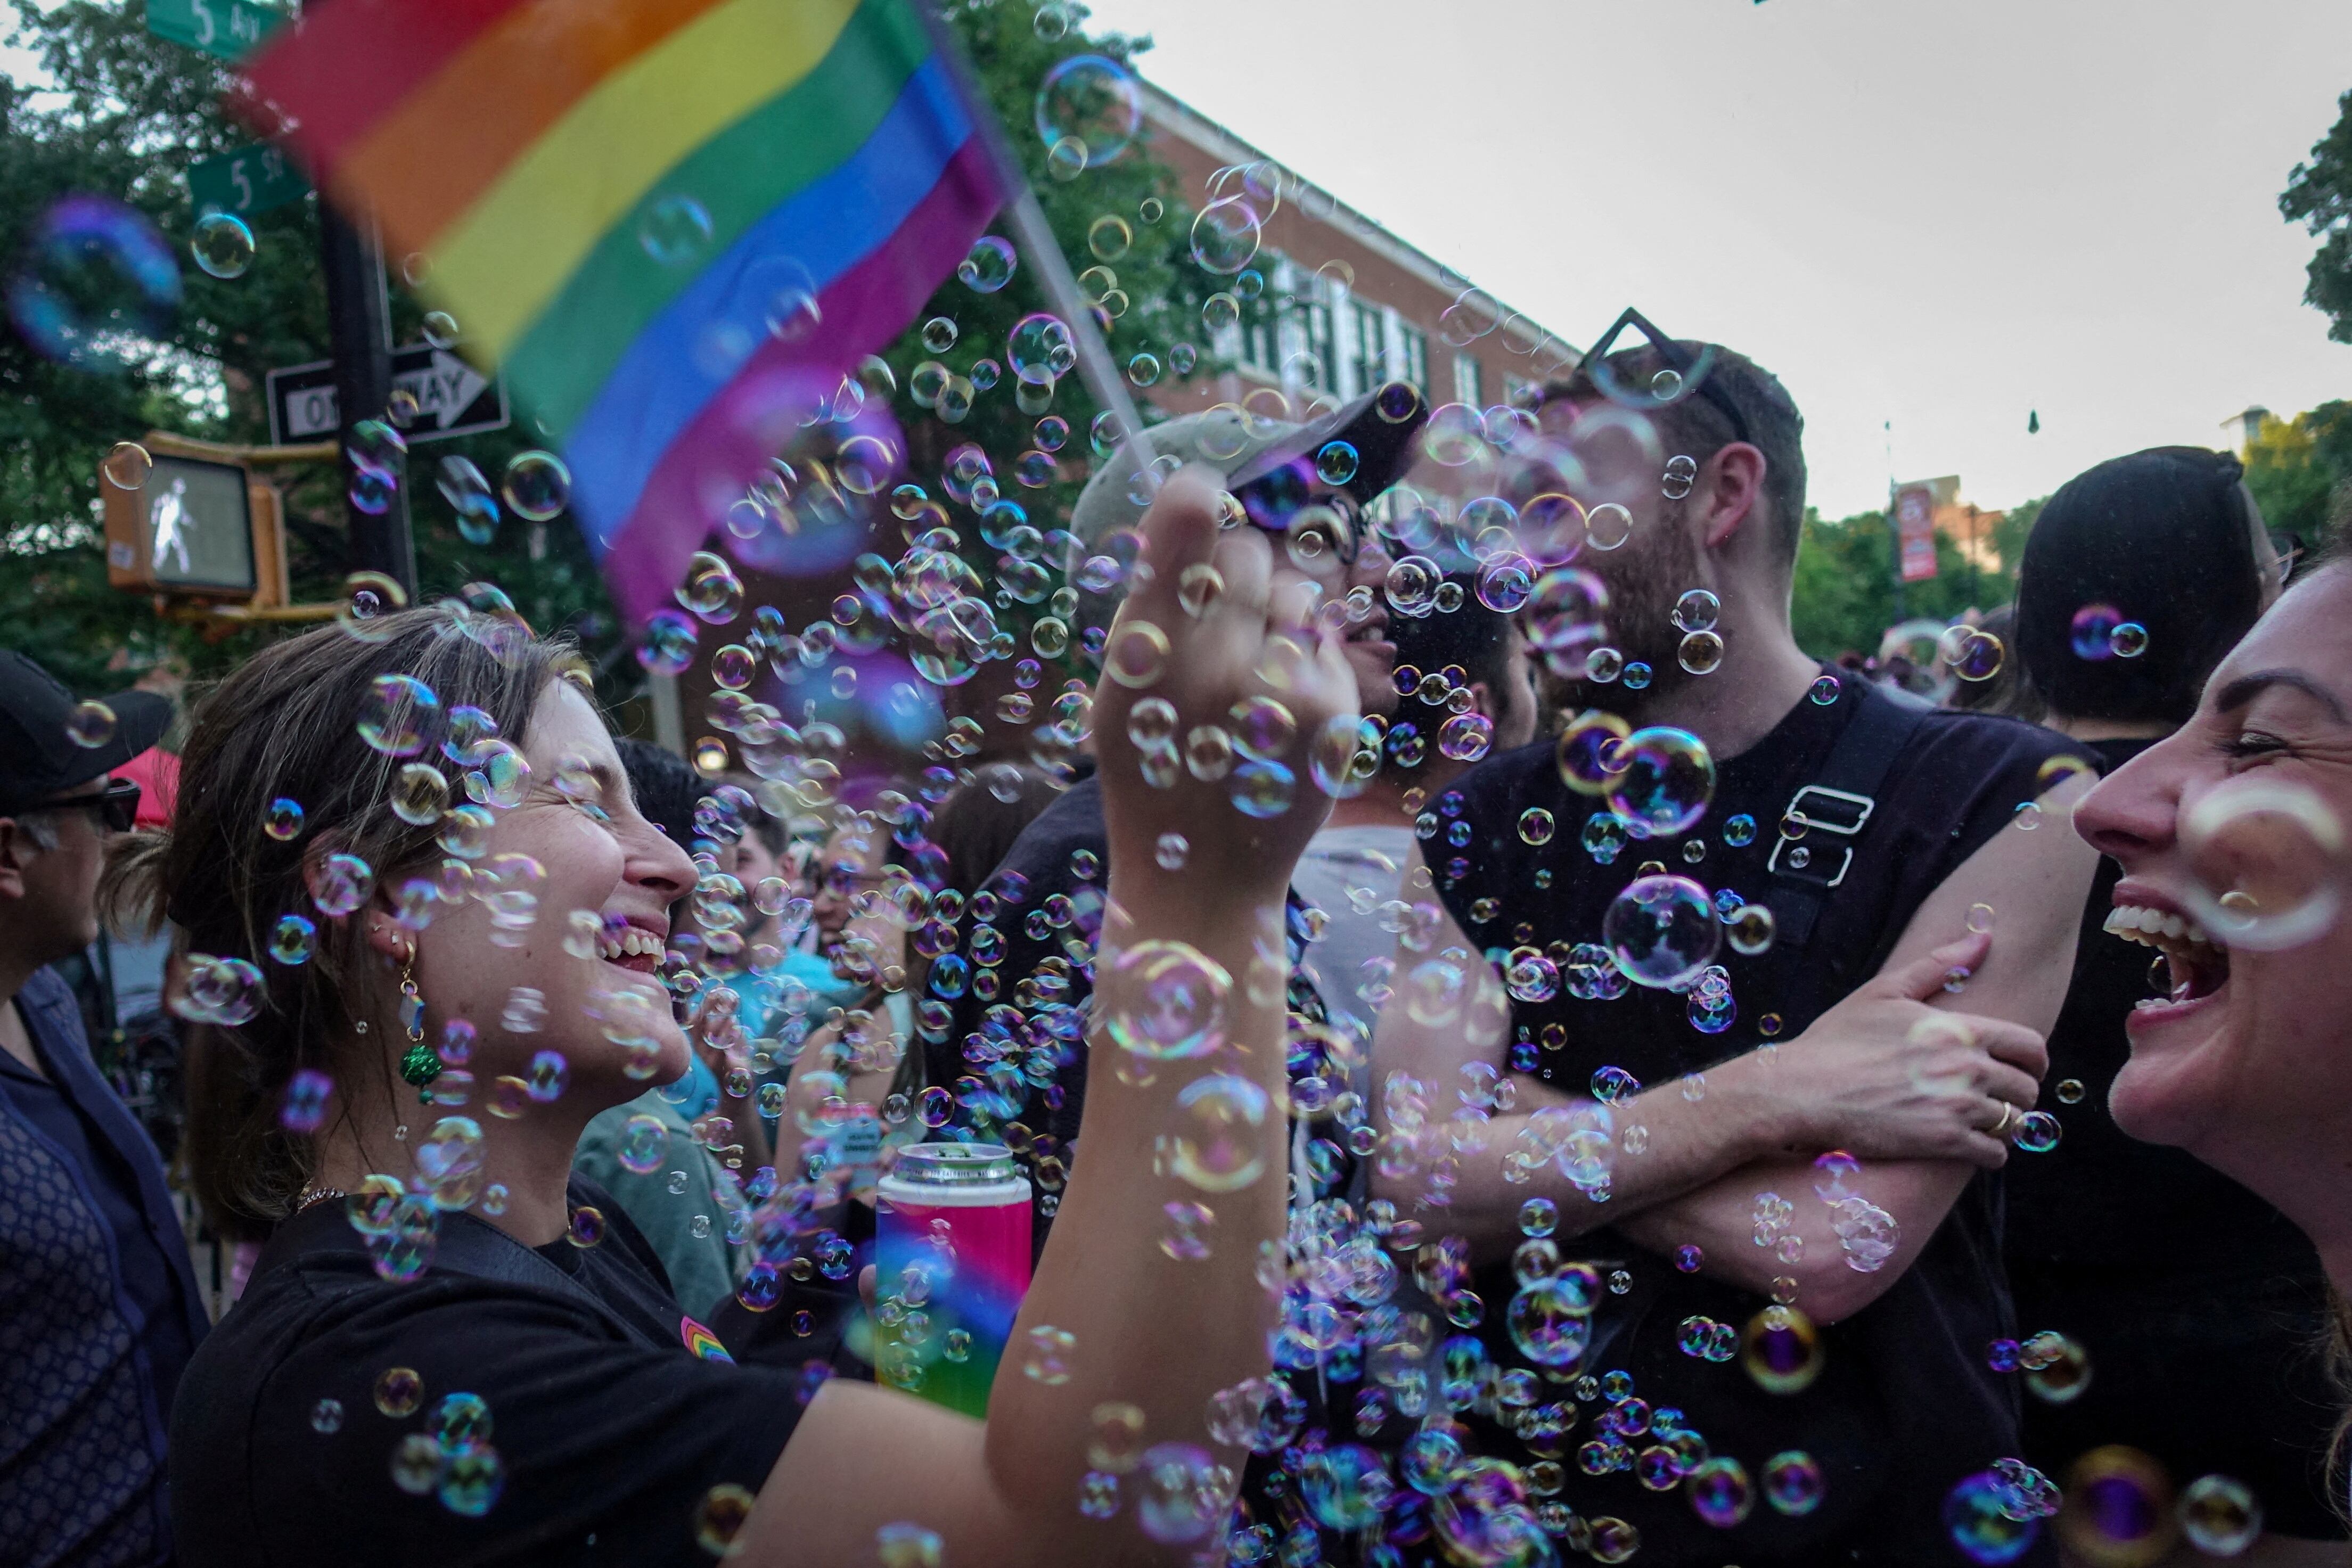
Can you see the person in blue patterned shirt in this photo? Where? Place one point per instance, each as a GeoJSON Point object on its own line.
{"type": "Point", "coordinates": [99, 1309]}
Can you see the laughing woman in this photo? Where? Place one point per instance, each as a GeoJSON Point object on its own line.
{"type": "Point", "coordinates": [440, 1361]}
{"type": "Point", "coordinates": [2231, 833]}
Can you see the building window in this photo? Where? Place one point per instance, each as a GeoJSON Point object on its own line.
{"type": "Point", "coordinates": [1466, 381]}
{"type": "Point", "coordinates": [1369, 347]}
{"type": "Point", "coordinates": [1321, 369]}
{"type": "Point", "coordinates": [1413, 349]}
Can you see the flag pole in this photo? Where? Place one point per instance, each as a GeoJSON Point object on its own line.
{"type": "Point", "coordinates": [1035, 239]}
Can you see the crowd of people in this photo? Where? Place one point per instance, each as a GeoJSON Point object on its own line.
{"type": "Point", "coordinates": [1583, 1076]}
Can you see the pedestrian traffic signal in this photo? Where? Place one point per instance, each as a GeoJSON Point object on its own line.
{"type": "Point", "coordinates": [191, 521]}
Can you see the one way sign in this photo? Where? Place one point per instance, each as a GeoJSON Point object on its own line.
{"type": "Point", "coordinates": [453, 398]}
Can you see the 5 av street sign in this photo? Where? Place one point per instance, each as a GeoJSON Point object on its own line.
{"type": "Point", "coordinates": [453, 398]}
{"type": "Point", "coordinates": [229, 28]}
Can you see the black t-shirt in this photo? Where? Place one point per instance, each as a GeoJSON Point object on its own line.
{"type": "Point", "coordinates": [1015, 1047]}
{"type": "Point", "coordinates": [609, 1422]}
{"type": "Point", "coordinates": [2201, 1305]}
{"type": "Point", "coordinates": [1904, 1405]}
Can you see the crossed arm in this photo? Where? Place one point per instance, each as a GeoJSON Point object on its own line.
{"type": "Point", "coordinates": [1903, 1074]}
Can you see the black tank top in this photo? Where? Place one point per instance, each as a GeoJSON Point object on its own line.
{"type": "Point", "coordinates": [1906, 1405]}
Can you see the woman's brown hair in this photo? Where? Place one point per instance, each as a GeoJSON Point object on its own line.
{"type": "Point", "coordinates": [285, 726]}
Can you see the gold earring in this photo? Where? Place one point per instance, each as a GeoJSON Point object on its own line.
{"type": "Point", "coordinates": [420, 1064]}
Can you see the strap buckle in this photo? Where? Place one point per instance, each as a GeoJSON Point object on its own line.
{"type": "Point", "coordinates": [1804, 870]}
{"type": "Point", "coordinates": [1842, 812]}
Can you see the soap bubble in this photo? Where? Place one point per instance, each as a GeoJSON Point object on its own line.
{"type": "Point", "coordinates": [1216, 1144]}
{"type": "Point", "coordinates": [1590, 754]}
{"type": "Point", "coordinates": [90, 724]}
{"type": "Point", "coordinates": [1792, 1482]}
{"type": "Point", "coordinates": [1179, 1496]}
{"type": "Point", "coordinates": [419, 794]}
{"type": "Point", "coordinates": [303, 1110]}
{"type": "Point", "coordinates": [1093, 101]}
{"type": "Point", "coordinates": [222, 245]}
{"type": "Point", "coordinates": [283, 819]}
{"type": "Point", "coordinates": [339, 884]}
{"type": "Point", "coordinates": [1720, 1492]}
{"type": "Point", "coordinates": [398, 715]}
{"type": "Point", "coordinates": [2093, 630]}
{"type": "Point", "coordinates": [1225, 234]}
{"type": "Point", "coordinates": [2128, 641]}
{"type": "Point", "coordinates": [98, 287]}
{"type": "Point", "coordinates": [1697, 611]}
{"type": "Point", "coordinates": [990, 264]}
{"type": "Point", "coordinates": [538, 486]}
{"type": "Point", "coordinates": [1171, 1003]}
{"type": "Point", "coordinates": [1979, 1527]}
{"type": "Point", "coordinates": [645, 1142]}
{"type": "Point", "coordinates": [669, 644]}
{"type": "Point", "coordinates": [463, 484]}
{"type": "Point", "coordinates": [293, 939]}
{"type": "Point", "coordinates": [674, 229]}
{"type": "Point", "coordinates": [1550, 1321]}
{"type": "Point", "coordinates": [2221, 1515]}
{"type": "Point", "coordinates": [1664, 782]}
{"type": "Point", "coordinates": [127, 466]}
{"type": "Point", "coordinates": [2264, 860]}
{"type": "Point", "coordinates": [1040, 349]}
{"type": "Point", "coordinates": [1976, 656]}
{"type": "Point", "coordinates": [1781, 1350]}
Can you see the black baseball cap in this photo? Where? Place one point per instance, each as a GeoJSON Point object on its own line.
{"type": "Point", "coordinates": [40, 756]}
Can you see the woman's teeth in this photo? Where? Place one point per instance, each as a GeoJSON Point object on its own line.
{"type": "Point", "coordinates": [630, 942]}
{"type": "Point", "coordinates": [2196, 965]}
{"type": "Point", "coordinates": [2157, 928]}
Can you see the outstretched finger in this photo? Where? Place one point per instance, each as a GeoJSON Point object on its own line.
{"type": "Point", "coordinates": [1180, 531]}
{"type": "Point", "coordinates": [1924, 976]}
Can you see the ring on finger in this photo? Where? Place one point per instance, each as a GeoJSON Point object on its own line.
{"type": "Point", "coordinates": [2010, 1118]}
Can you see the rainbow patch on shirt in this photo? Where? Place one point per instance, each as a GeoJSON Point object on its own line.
{"type": "Point", "coordinates": [702, 1341]}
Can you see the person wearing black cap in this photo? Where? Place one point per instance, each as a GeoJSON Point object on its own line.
{"type": "Point", "coordinates": [99, 1307]}
{"type": "Point", "coordinates": [2200, 1305]}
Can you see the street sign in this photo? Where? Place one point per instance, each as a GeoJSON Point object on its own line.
{"type": "Point", "coordinates": [228, 29]}
{"type": "Point", "coordinates": [453, 398]}
{"type": "Point", "coordinates": [247, 182]}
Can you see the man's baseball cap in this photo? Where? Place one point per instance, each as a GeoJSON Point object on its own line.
{"type": "Point", "coordinates": [39, 754]}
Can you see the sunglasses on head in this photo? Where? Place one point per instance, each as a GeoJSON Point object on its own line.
{"type": "Point", "coordinates": [117, 805]}
{"type": "Point", "coordinates": [1690, 367]}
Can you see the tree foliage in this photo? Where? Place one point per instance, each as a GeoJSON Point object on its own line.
{"type": "Point", "coordinates": [2318, 195]}
{"type": "Point", "coordinates": [1844, 598]}
{"type": "Point", "coordinates": [2300, 471]}
{"type": "Point", "coordinates": [122, 114]}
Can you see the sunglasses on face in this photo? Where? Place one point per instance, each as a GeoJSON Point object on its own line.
{"type": "Point", "coordinates": [116, 806]}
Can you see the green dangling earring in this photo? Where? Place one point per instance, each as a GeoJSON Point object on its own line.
{"type": "Point", "coordinates": [420, 1064]}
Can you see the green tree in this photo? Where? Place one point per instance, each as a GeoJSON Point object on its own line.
{"type": "Point", "coordinates": [122, 114]}
{"type": "Point", "coordinates": [1843, 596]}
{"type": "Point", "coordinates": [2318, 195]}
{"type": "Point", "coordinates": [2300, 471]}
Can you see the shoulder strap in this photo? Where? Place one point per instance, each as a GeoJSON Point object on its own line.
{"type": "Point", "coordinates": [469, 1246]}
{"type": "Point", "coordinates": [1835, 808]}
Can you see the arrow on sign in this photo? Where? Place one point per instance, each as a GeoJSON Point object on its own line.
{"type": "Point", "coordinates": [452, 397]}
{"type": "Point", "coordinates": [444, 389]}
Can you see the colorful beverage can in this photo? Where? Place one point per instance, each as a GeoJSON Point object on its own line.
{"type": "Point", "coordinates": [952, 1256]}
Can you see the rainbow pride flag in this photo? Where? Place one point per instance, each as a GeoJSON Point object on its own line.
{"type": "Point", "coordinates": [663, 218]}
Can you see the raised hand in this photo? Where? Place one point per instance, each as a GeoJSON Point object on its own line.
{"type": "Point", "coordinates": [1220, 700]}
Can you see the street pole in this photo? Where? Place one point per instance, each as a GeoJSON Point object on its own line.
{"type": "Point", "coordinates": [359, 334]}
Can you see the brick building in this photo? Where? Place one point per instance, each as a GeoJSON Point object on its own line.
{"type": "Point", "coordinates": [1346, 305]}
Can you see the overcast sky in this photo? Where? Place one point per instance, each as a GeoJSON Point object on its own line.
{"type": "Point", "coordinates": [1942, 215]}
